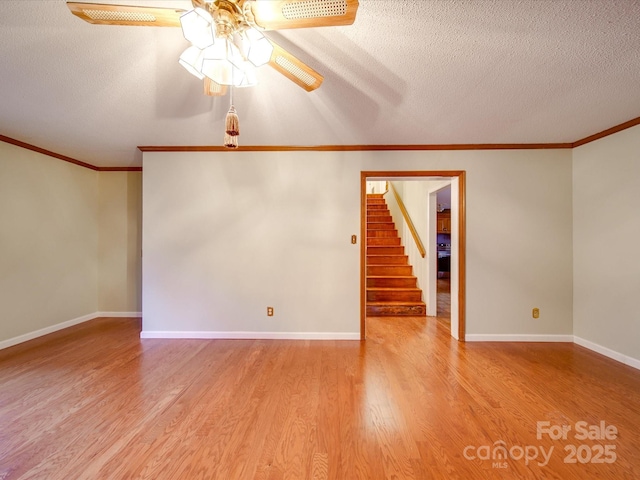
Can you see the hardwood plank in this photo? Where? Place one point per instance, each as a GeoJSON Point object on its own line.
{"type": "Point", "coordinates": [96, 401]}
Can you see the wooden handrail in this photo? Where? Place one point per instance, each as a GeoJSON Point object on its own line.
{"type": "Point", "coordinates": [407, 219]}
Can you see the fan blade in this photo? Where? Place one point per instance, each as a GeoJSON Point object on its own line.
{"type": "Point", "coordinates": [214, 89]}
{"type": "Point", "coordinates": [294, 69]}
{"type": "Point", "coordinates": [102, 14]}
{"type": "Point", "coordinates": [279, 14]}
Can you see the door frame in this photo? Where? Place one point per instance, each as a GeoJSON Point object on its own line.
{"type": "Point", "coordinates": [460, 175]}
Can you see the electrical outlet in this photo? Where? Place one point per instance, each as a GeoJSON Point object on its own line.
{"type": "Point", "coordinates": [535, 313]}
{"type": "Point", "coordinates": [269, 311]}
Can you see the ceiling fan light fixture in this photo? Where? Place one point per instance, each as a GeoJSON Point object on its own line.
{"type": "Point", "coordinates": [248, 77]}
{"type": "Point", "coordinates": [213, 89]}
{"type": "Point", "coordinates": [223, 63]}
{"type": "Point", "coordinates": [260, 49]}
{"type": "Point", "coordinates": [191, 59]}
{"type": "Point", "coordinates": [227, 43]}
{"type": "Point", "coordinates": [198, 28]}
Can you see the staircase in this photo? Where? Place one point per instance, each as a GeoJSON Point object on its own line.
{"type": "Point", "coordinates": [392, 290]}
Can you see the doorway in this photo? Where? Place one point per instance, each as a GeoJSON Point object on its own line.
{"type": "Point", "coordinates": [440, 281]}
{"type": "Point", "coordinates": [458, 241]}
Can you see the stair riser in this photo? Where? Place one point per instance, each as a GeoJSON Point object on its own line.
{"type": "Point", "coordinates": [381, 226]}
{"type": "Point", "coordinates": [379, 219]}
{"type": "Point", "coordinates": [392, 270]}
{"type": "Point", "coordinates": [377, 207]}
{"type": "Point", "coordinates": [382, 241]}
{"type": "Point", "coordinates": [387, 260]}
{"type": "Point", "coordinates": [394, 296]}
{"type": "Point", "coordinates": [382, 233]}
{"type": "Point", "coordinates": [392, 282]}
{"type": "Point", "coordinates": [399, 250]}
{"type": "Point", "coordinates": [397, 311]}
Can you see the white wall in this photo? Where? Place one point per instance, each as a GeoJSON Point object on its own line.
{"type": "Point", "coordinates": [120, 242]}
{"type": "Point", "coordinates": [606, 226]}
{"type": "Point", "coordinates": [48, 242]}
{"type": "Point", "coordinates": [394, 208]}
{"type": "Point", "coordinates": [226, 234]}
{"type": "Point", "coordinates": [376, 186]}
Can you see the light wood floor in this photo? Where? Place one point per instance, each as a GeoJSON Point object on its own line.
{"type": "Point", "coordinates": [443, 310]}
{"type": "Point", "coordinates": [96, 402]}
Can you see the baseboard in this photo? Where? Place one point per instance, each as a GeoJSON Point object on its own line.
{"type": "Point", "coordinates": [607, 352]}
{"type": "Point", "coordinates": [517, 338]}
{"type": "Point", "coordinates": [253, 335]}
{"type": "Point", "coordinates": [47, 330]}
{"type": "Point", "coordinates": [120, 314]}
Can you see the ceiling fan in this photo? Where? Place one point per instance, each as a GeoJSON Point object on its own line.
{"type": "Point", "coordinates": [226, 38]}
{"type": "Point", "coordinates": [226, 35]}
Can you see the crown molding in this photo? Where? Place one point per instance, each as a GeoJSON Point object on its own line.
{"type": "Point", "coordinates": [64, 158]}
{"type": "Point", "coordinates": [354, 148]}
{"type": "Point", "coordinates": [33, 148]}
{"type": "Point", "coordinates": [607, 132]}
{"type": "Point", "coordinates": [332, 148]}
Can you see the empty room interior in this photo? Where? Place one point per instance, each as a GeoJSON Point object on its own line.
{"type": "Point", "coordinates": [416, 259]}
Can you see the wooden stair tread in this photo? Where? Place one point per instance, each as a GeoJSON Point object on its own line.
{"type": "Point", "coordinates": [390, 276]}
{"type": "Point", "coordinates": [395, 303]}
{"type": "Point", "coordinates": [381, 226]}
{"type": "Point", "coordinates": [394, 289]}
{"type": "Point", "coordinates": [383, 242]}
{"type": "Point", "coordinates": [400, 262]}
{"type": "Point", "coordinates": [388, 281]}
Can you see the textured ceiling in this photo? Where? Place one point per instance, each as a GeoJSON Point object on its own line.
{"type": "Point", "coordinates": [407, 72]}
